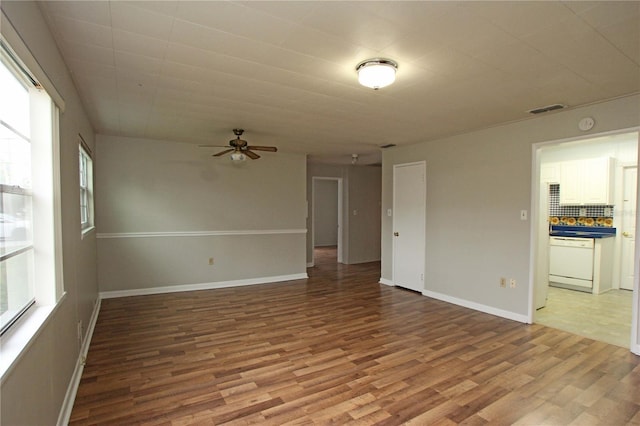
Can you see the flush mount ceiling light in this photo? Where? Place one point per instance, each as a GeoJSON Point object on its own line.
{"type": "Point", "coordinates": [376, 73]}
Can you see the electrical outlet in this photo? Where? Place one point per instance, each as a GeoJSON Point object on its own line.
{"type": "Point", "coordinates": [211, 261]}
{"type": "Point", "coordinates": [503, 282]}
{"type": "Point", "coordinates": [582, 211]}
{"type": "Point", "coordinates": [512, 283]}
{"type": "Point", "coordinates": [607, 211]}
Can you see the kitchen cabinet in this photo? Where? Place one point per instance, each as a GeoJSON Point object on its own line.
{"type": "Point", "coordinates": [584, 182]}
{"type": "Point", "coordinates": [571, 183]}
{"type": "Point", "coordinates": [550, 173]}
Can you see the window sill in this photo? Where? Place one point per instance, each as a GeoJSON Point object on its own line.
{"type": "Point", "coordinates": [15, 342]}
{"type": "Point", "coordinates": [87, 231]}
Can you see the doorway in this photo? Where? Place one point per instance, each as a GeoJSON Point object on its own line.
{"type": "Point", "coordinates": [409, 210]}
{"type": "Point", "coordinates": [606, 316]}
{"type": "Point", "coordinates": [326, 216]}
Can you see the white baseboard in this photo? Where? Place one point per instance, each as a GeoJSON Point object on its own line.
{"type": "Point", "coordinates": [360, 262]}
{"type": "Point", "coordinates": [635, 349]}
{"type": "Point", "coordinates": [202, 286]}
{"type": "Point", "coordinates": [72, 389]}
{"type": "Point", "coordinates": [477, 306]}
{"type": "Point", "coordinates": [310, 265]}
{"type": "Point", "coordinates": [386, 282]}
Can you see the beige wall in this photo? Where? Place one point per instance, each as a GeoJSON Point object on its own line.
{"type": "Point", "coordinates": [365, 194]}
{"type": "Point", "coordinates": [477, 184]}
{"type": "Point", "coordinates": [33, 391]}
{"type": "Point", "coordinates": [161, 187]}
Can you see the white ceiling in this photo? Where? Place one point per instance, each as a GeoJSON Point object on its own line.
{"type": "Point", "coordinates": [285, 71]}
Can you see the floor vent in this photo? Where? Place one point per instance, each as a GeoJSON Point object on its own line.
{"type": "Point", "coordinates": [546, 108]}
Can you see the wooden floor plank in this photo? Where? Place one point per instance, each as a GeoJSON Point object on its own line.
{"type": "Point", "coordinates": [339, 348]}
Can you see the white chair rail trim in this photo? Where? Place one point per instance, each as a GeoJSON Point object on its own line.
{"type": "Point", "coordinates": [200, 233]}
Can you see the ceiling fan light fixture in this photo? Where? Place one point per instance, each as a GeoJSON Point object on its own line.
{"type": "Point", "coordinates": [240, 149]}
{"type": "Point", "coordinates": [238, 157]}
{"type": "Point", "coordinates": [376, 73]}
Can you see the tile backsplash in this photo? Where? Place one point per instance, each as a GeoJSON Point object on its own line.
{"type": "Point", "coordinates": [570, 215]}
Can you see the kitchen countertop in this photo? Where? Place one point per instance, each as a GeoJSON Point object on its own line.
{"type": "Point", "coordinates": [582, 231]}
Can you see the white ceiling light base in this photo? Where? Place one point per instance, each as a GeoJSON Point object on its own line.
{"type": "Point", "coordinates": [376, 73]}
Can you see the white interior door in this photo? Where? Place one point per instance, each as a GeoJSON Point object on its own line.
{"type": "Point", "coordinates": [628, 227]}
{"type": "Point", "coordinates": [409, 206]}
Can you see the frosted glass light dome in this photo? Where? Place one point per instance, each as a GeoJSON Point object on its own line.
{"type": "Point", "coordinates": [376, 73]}
{"type": "Point", "coordinates": [238, 156]}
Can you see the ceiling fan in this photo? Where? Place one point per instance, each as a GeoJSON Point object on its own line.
{"type": "Point", "coordinates": [240, 149]}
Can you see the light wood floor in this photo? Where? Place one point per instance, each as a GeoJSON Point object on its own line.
{"type": "Point", "coordinates": [339, 348]}
{"type": "Point", "coordinates": [605, 317]}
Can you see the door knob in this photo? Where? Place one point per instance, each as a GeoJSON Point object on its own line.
{"type": "Point", "coordinates": [627, 234]}
{"type": "Point", "coordinates": [395, 234]}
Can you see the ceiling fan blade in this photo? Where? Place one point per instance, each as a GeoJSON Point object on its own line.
{"type": "Point", "coordinates": [251, 155]}
{"type": "Point", "coordinates": [263, 148]}
{"type": "Point", "coordinates": [226, 151]}
{"type": "Point", "coordinates": [213, 146]}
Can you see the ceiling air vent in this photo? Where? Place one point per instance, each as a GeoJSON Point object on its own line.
{"type": "Point", "coordinates": [389, 145]}
{"type": "Point", "coordinates": [546, 108]}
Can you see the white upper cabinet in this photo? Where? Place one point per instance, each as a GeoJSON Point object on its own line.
{"type": "Point", "coordinates": [550, 173]}
{"type": "Point", "coordinates": [587, 182]}
{"type": "Point", "coordinates": [571, 186]}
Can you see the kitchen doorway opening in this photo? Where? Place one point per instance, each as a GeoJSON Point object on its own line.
{"type": "Point", "coordinates": [326, 219]}
{"type": "Point", "coordinates": [600, 304]}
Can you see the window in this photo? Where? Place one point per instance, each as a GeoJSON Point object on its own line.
{"type": "Point", "coordinates": [16, 248]}
{"type": "Point", "coordinates": [86, 187]}
{"type": "Point", "coordinates": [28, 118]}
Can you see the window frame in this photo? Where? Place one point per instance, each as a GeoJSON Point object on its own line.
{"type": "Point", "coordinates": [85, 176]}
{"type": "Point", "coordinates": [46, 105]}
{"type": "Point", "coordinates": [10, 316]}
